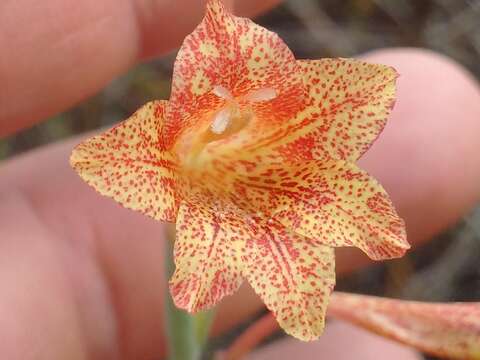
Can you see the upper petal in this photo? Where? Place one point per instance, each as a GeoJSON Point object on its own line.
{"type": "Point", "coordinates": [348, 106]}
{"type": "Point", "coordinates": [294, 276]}
{"type": "Point", "coordinates": [235, 54]}
{"type": "Point", "coordinates": [128, 163]}
{"type": "Point", "coordinates": [207, 254]}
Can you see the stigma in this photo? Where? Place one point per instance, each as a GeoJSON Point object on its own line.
{"type": "Point", "coordinates": [233, 111]}
{"type": "Point", "coordinates": [220, 121]}
{"type": "Point", "coordinates": [234, 115]}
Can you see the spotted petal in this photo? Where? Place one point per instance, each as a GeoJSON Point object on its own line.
{"type": "Point", "coordinates": [235, 54]}
{"type": "Point", "coordinates": [341, 205]}
{"type": "Point", "coordinates": [207, 256]}
{"type": "Point", "coordinates": [446, 330]}
{"type": "Point", "coordinates": [294, 277]}
{"type": "Point", "coordinates": [128, 163]}
{"type": "Point", "coordinates": [333, 202]}
{"type": "Point", "coordinates": [349, 103]}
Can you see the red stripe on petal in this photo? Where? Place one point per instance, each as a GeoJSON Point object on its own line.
{"type": "Point", "coordinates": [293, 276]}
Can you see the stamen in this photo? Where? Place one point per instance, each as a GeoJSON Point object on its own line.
{"type": "Point", "coordinates": [221, 121]}
{"type": "Point", "coordinates": [222, 92]}
{"type": "Point", "coordinates": [264, 94]}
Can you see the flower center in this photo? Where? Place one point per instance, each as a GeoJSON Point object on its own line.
{"type": "Point", "coordinates": [228, 120]}
{"type": "Point", "coordinates": [232, 116]}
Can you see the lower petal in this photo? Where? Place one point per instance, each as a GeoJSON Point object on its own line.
{"type": "Point", "coordinates": [207, 256]}
{"type": "Point", "coordinates": [344, 206]}
{"type": "Point", "coordinates": [294, 277]}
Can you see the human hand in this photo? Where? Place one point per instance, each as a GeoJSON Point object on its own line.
{"type": "Point", "coordinates": [80, 277]}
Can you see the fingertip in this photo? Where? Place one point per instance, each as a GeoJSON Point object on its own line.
{"type": "Point", "coordinates": [53, 57]}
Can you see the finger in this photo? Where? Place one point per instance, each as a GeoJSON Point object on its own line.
{"type": "Point", "coordinates": [57, 53]}
{"type": "Point", "coordinates": [122, 250]}
{"type": "Point", "coordinates": [425, 158]}
{"type": "Point", "coordinates": [331, 345]}
{"type": "Point", "coordinates": [37, 305]}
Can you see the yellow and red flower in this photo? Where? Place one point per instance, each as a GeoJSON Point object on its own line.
{"type": "Point", "coordinates": [254, 158]}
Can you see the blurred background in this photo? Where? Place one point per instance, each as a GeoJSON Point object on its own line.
{"type": "Point", "coordinates": [329, 28]}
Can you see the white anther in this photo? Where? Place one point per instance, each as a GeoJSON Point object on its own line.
{"type": "Point", "coordinates": [221, 121]}
{"type": "Point", "coordinates": [222, 92]}
{"type": "Point", "coordinates": [264, 94]}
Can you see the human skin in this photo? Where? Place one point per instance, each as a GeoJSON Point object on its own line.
{"type": "Point", "coordinates": [81, 277]}
{"type": "Point", "coordinates": [332, 345]}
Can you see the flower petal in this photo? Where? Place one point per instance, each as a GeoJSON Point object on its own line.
{"type": "Point", "coordinates": [236, 55]}
{"type": "Point", "coordinates": [207, 256]}
{"type": "Point", "coordinates": [128, 164]}
{"type": "Point", "coordinates": [349, 103]}
{"type": "Point", "coordinates": [341, 205]}
{"type": "Point", "coordinates": [445, 330]}
{"type": "Point", "coordinates": [344, 108]}
{"type": "Point", "coordinates": [294, 277]}
{"type": "Point", "coordinates": [333, 202]}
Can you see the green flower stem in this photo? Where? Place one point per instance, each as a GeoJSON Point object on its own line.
{"type": "Point", "coordinates": [186, 334]}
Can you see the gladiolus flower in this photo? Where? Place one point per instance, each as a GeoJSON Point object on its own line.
{"type": "Point", "coordinates": [254, 158]}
